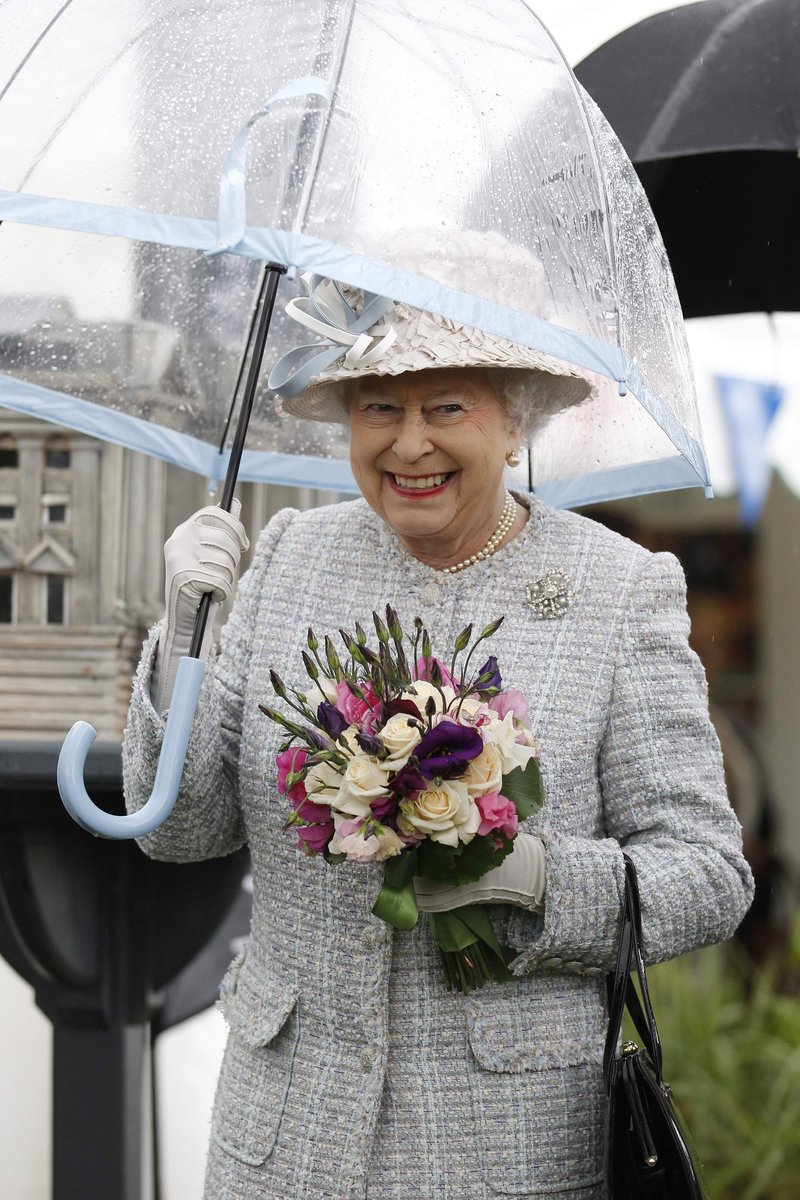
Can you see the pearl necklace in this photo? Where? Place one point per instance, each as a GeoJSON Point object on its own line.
{"type": "Point", "coordinates": [507, 518]}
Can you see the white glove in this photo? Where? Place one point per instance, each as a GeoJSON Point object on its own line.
{"type": "Point", "coordinates": [520, 879]}
{"type": "Point", "coordinates": [200, 556]}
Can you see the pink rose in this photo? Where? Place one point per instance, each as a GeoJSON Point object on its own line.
{"type": "Point", "coordinates": [497, 812]}
{"type": "Point", "coordinates": [289, 763]}
{"type": "Point", "coordinates": [423, 671]}
{"type": "Point", "coordinates": [510, 701]}
{"type": "Point", "coordinates": [356, 711]}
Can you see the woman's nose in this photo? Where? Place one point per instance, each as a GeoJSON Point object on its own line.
{"type": "Point", "coordinates": [412, 440]}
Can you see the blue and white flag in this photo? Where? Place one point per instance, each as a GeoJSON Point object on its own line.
{"type": "Point", "coordinates": [750, 407]}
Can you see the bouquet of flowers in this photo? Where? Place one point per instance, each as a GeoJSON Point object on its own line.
{"type": "Point", "coordinates": [397, 756]}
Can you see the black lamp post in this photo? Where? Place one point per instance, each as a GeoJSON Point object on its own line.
{"type": "Point", "coordinates": [116, 947]}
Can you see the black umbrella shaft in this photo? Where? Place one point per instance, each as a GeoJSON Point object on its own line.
{"type": "Point", "coordinates": [258, 340]}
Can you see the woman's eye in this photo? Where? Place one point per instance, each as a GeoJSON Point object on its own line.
{"type": "Point", "coordinates": [449, 409]}
{"type": "Point", "coordinates": [379, 409]}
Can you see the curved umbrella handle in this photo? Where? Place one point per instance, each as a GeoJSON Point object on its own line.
{"type": "Point", "coordinates": [77, 743]}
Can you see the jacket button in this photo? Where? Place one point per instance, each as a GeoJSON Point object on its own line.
{"type": "Point", "coordinates": [367, 1058]}
{"type": "Point", "coordinates": [431, 593]}
{"type": "Point", "coordinates": [371, 938]}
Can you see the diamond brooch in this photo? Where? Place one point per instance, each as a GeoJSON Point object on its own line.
{"type": "Point", "coordinates": [551, 596]}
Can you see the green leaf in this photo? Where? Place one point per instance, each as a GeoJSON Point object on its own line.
{"type": "Point", "coordinates": [471, 953]}
{"type": "Point", "coordinates": [524, 789]}
{"type": "Point", "coordinates": [401, 869]}
{"type": "Point", "coordinates": [397, 901]}
{"type": "Point", "coordinates": [464, 863]}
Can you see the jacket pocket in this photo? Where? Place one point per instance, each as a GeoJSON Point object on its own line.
{"type": "Point", "coordinates": [538, 1090]}
{"type": "Point", "coordinates": [264, 1029]}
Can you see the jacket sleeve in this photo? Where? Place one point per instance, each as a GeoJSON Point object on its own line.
{"type": "Point", "coordinates": [207, 819]}
{"type": "Point", "coordinates": [664, 802]}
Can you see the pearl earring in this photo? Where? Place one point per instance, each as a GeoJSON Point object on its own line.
{"type": "Point", "coordinates": [513, 458]}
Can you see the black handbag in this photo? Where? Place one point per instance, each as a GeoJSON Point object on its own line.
{"type": "Point", "coordinates": [649, 1152]}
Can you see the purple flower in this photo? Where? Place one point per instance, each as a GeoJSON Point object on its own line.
{"type": "Point", "coordinates": [369, 743]}
{"type": "Point", "coordinates": [308, 810]}
{"type": "Point", "coordinates": [383, 807]}
{"type": "Point", "coordinates": [408, 781]}
{"type": "Point", "coordinates": [313, 839]}
{"type": "Point", "coordinates": [394, 707]}
{"type": "Point", "coordinates": [492, 671]}
{"type": "Point", "coordinates": [331, 719]}
{"type": "Point", "coordinates": [318, 739]}
{"type": "Point", "coordinates": [446, 749]}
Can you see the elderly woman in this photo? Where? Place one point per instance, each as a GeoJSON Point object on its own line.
{"type": "Point", "coordinates": [351, 1072]}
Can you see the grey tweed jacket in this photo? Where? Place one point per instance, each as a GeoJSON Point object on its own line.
{"type": "Point", "coordinates": [350, 1072]}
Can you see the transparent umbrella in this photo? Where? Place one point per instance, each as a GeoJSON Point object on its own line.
{"type": "Point", "coordinates": [153, 155]}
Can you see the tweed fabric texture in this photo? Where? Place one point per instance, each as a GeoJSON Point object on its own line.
{"type": "Point", "coordinates": [350, 1072]}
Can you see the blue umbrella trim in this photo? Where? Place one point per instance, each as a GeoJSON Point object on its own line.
{"type": "Point", "coordinates": [182, 449]}
{"type": "Point", "coordinates": [299, 252]}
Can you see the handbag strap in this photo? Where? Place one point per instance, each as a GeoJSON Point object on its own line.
{"type": "Point", "coordinates": [621, 987]}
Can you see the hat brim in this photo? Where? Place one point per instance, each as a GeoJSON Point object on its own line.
{"type": "Point", "coordinates": [325, 399]}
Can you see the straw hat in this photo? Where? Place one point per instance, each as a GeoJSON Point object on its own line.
{"type": "Point", "coordinates": [367, 334]}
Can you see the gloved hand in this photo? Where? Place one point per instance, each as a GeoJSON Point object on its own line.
{"type": "Point", "coordinates": [520, 879]}
{"type": "Point", "coordinates": [200, 556]}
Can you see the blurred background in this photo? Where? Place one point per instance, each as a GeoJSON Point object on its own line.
{"type": "Point", "coordinates": [82, 524]}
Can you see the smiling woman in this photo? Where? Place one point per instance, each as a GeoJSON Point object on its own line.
{"type": "Point", "coordinates": [351, 1070]}
{"type": "Point", "coordinates": [428, 452]}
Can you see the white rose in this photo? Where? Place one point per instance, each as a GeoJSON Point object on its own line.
{"type": "Point", "coordinates": [503, 734]}
{"type": "Point", "coordinates": [323, 783]}
{"type": "Point", "coordinates": [323, 689]}
{"type": "Point", "coordinates": [363, 780]}
{"type": "Point", "coordinates": [420, 692]}
{"type": "Point", "coordinates": [365, 777]}
{"type": "Point", "coordinates": [444, 811]}
{"type": "Point", "coordinates": [399, 735]}
{"type": "Point", "coordinates": [484, 773]}
{"type": "Point", "coordinates": [350, 735]}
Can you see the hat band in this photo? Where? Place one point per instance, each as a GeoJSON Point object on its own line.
{"type": "Point", "coordinates": [354, 337]}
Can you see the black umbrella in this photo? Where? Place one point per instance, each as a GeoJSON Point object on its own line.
{"type": "Point", "coordinates": [706, 100]}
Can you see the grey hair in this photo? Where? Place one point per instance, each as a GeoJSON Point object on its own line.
{"type": "Point", "coordinates": [526, 397]}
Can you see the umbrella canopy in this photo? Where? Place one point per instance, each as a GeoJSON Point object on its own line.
{"type": "Point", "coordinates": [151, 154]}
{"type": "Point", "coordinates": [706, 100]}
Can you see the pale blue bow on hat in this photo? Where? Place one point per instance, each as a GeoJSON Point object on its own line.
{"type": "Point", "coordinates": [354, 337]}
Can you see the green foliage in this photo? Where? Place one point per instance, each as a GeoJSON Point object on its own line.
{"type": "Point", "coordinates": [732, 1056]}
{"type": "Point", "coordinates": [524, 789]}
{"type": "Point", "coordinates": [464, 863]}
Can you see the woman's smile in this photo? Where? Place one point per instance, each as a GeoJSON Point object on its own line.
{"type": "Point", "coordinates": [419, 487]}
